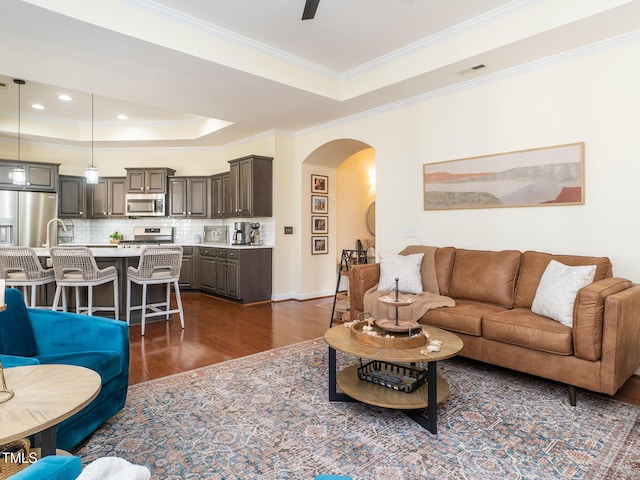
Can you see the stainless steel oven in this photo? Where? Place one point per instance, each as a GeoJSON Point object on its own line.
{"type": "Point", "coordinates": [145, 204]}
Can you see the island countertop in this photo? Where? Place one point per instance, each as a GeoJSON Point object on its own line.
{"type": "Point", "coordinates": [111, 251]}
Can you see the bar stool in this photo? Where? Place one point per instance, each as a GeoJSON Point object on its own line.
{"type": "Point", "coordinates": [76, 267]}
{"type": "Point", "coordinates": [20, 267]}
{"type": "Point", "coordinates": [157, 265]}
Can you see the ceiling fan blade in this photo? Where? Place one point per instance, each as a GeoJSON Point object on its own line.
{"type": "Point", "coordinates": [310, 8]}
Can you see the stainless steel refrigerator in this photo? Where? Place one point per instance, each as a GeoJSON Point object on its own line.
{"type": "Point", "coordinates": [24, 217]}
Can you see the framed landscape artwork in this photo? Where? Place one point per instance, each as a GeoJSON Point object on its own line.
{"type": "Point", "coordinates": [319, 245]}
{"type": "Point", "coordinates": [541, 176]}
{"type": "Point", "coordinates": [319, 224]}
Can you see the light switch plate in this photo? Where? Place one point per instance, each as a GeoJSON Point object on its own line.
{"type": "Point", "coordinates": [288, 230]}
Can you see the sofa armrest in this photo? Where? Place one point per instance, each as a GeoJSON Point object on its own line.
{"type": "Point", "coordinates": [361, 278]}
{"type": "Point", "coordinates": [589, 316]}
{"type": "Point", "coordinates": [54, 467]}
{"type": "Point", "coordinates": [16, 361]}
{"type": "Point", "coordinates": [621, 338]}
{"type": "Point", "coordinates": [66, 332]}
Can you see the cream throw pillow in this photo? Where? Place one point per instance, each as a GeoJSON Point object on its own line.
{"type": "Point", "coordinates": [558, 288]}
{"type": "Point", "coordinates": [406, 268]}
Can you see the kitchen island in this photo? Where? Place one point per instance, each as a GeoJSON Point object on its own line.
{"type": "Point", "coordinates": [238, 273]}
{"type": "Point", "coordinates": [121, 258]}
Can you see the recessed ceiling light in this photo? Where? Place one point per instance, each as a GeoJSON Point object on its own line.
{"type": "Point", "coordinates": [37, 106]}
{"type": "Point", "coordinates": [122, 116]}
{"type": "Point", "coordinates": [64, 98]}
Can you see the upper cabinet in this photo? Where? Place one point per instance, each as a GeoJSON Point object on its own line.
{"type": "Point", "coordinates": [148, 180]}
{"type": "Point", "coordinates": [107, 198]}
{"type": "Point", "coordinates": [71, 197]}
{"type": "Point", "coordinates": [189, 197]}
{"type": "Point", "coordinates": [41, 177]}
{"type": "Point", "coordinates": [250, 186]}
{"type": "Point", "coordinates": [220, 195]}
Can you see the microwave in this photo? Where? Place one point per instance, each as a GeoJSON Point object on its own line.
{"type": "Point", "coordinates": [145, 205]}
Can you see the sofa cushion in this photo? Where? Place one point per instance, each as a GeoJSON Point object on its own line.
{"type": "Point", "coordinates": [406, 268]}
{"type": "Point", "coordinates": [485, 276]}
{"type": "Point", "coordinates": [105, 362]}
{"type": "Point", "coordinates": [16, 331]}
{"type": "Point", "coordinates": [589, 314]}
{"type": "Point", "coordinates": [464, 317]}
{"type": "Point", "coordinates": [428, 273]}
{"type": "Point", "coordinates": [557, 290]}
{"type": "Point", "coordinates": [443, 260]}
{"type": "Point", "coordinates": [535, 263]}
{"type": "Point", "coordinates": [520, 326]}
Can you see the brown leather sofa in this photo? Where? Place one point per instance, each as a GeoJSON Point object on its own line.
{"type": "Point", "coordinates": [494, 292]}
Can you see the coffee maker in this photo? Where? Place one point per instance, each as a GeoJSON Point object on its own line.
{"type": "Point", "coordinates": [241, 233]}
{"type": "Point", "coordinates": [255, 234]}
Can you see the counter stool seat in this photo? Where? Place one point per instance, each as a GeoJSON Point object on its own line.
{"type": "Point", "coordinates": [158, 265]}
{"type": "Point", "coordinates": [76, 267]}
{"type": "Point", "coordinates": [20, 267]}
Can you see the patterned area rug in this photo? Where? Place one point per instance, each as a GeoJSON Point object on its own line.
{"type": "Point", "coordinates": [267, 416]}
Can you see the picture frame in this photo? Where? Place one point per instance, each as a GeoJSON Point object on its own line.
{"type": "Point", "coordinates": [319, 184]}
{"type": "Point", "coordinates": [319, 245]}
{"type": "Point", "coordinates": [535, 177]}
{"type": "Point", "coordinates": [319, 204]}
{"type": "Point", "coordinates": [319, 224]}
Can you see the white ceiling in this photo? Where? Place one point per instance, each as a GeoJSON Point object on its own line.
{"type": "Point", "coordinates": [175, 66]}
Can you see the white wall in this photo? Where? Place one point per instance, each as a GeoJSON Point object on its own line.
{"type": "Point", "coordinates": [591, 97]}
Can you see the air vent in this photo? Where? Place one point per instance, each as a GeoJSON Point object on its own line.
{"type": "Point", "coordinates": [475, 68]}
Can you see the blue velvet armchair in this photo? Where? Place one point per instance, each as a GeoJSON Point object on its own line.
{"type": "Point", "coordinates": [30, 336]}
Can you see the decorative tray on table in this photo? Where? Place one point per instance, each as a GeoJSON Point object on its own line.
{"type": "Point", "coordinates": [381, 340]}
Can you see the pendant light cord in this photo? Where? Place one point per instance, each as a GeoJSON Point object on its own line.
{"type": "Point", "coordinates": [92, 130]}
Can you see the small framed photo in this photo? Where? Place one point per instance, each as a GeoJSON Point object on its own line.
{"type": "Point", "coordinates": [319, 224]}
{"type": "Point", "coordinates": [319, 245]}
{"type": "Point", "coordinates": [319, 204]}
{"type": "Point", "coordinates": [319, 184]}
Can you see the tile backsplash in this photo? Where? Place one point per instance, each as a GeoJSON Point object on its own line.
{"type": "Point", "coordinates": [185, 230]}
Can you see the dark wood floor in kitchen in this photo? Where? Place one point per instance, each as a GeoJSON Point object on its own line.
{"type": "Point", "coordinates": [217, 330]}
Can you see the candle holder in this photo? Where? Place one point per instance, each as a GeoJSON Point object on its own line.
{"type": "Point", "coordinates": [5, 393]}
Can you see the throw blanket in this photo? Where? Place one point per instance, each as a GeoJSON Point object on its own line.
{"type": "Point", "coordinates": [423, 303]}
{"type": "Point", "coordinates": [114, 468]}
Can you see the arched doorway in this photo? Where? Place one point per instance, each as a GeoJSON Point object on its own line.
{"type": "Point", "coordinates": [349, 166]}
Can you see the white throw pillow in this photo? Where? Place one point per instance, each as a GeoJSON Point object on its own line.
{"type": "Point", "coordinates": [558, 288]}
{"type": "Point", "coordinates": [406, 268]}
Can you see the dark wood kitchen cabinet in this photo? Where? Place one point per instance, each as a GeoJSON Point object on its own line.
{"type": "Point", "coordinates": [251, 183]}
{"type": "Point", "coordinates": [189, 197]}
{"type": "Point", "coordinates": [72, 202]}
{"type": "Point", "coordinates": [242, 275]}
{"type": "Point", "coordinates": [40, 177]}
{"type": "Point", "coordinates": [187, 279]}
{"type": "Point", "coordinates": [219, 191]}
{"type": "Point", "coordinates": [207, 266]}
{"type": "Point", "coordinates": [148, 180]}
{"type": "Point", "coordinates": [107, 198]}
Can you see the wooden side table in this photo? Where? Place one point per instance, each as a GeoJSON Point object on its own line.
{"type": "Point", "coordinates": [44, 396]}
{"type": "Point", "coordinates": [425, 397]}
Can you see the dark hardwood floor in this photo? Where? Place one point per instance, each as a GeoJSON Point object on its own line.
{"type": "Point", "coordinates": [217, 330]}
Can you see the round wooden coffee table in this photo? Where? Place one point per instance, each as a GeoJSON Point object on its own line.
{"type": "Point", "coordinates": [425, 397]}
{"type": "Point", "coordinates": [44, 396]}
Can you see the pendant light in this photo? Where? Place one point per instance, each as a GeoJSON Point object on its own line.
{"type": "Point", "coordinates": [18, 174]}
{"type": "Point", "coordinates": [91, 173]}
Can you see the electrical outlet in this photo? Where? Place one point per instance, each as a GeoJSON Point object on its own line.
{"type": "Point", "coordinates": [288, 230]}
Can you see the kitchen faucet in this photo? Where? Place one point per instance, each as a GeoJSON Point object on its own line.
{"type": "Point", "coordinates": [53, 220]}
